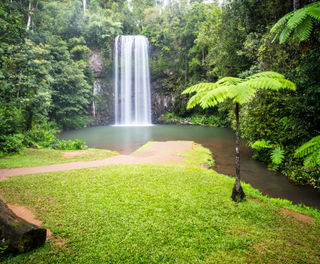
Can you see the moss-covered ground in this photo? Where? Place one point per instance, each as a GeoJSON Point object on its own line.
{"type": "Point", "coordinates": [158, 214]}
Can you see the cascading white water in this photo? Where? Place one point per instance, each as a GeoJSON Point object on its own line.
{"type": "Point", "coordinates": [132, 81]}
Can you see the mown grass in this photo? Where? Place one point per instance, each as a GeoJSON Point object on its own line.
{"type": "Point", "coordinates": [158, 214]}
{"type": "Point", "coordinates": [40, 157]}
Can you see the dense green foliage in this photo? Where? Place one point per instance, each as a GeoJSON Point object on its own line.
{"type": "Point", "coordinates": [158, 214]}
{"type": "Point", "coordinates": [44, 73]}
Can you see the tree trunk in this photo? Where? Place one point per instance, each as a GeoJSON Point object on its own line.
{"type": "Point", "coordinates": [29, 117]}
{"type": "Point", "coordinates": [84, 5]}
{"type": "Point", "coordinates": [16, 234]}
{"type": "Point", "coordinates": [237, 192]}
{"type": "Point", "coordinates": [296, 4]}
{"type": "Point", "coordinates": [29, 15]}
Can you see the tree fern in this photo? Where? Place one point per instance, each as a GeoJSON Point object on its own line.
{"type": "Point", "coordinates": [298, 22]}
{"type": "Point", "coordinates": [310, 152]}
{"type": "Point", "coordinates": [240, 91]}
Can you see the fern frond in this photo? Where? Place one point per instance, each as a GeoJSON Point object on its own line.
{"type": "Point", "coordinates": [298, 16]}
{"type": "Point", "coordinates": [308, 148]}
{"type": "Point", "coordinates": [264, 83]}
{"type": "Point", "coordinates": [242, 93]}
{"type": "Point", "coordinates": [304, 29]}
{"type": "Point", "coordinates": [261, 144]}
{"type": "Point", "coordinates": [281, 23]}
{"type": "Point", "coordinates": [286, 84]}
{"type": "Point", "coordinates": [195, 99]}
{"type": "Point", "coordinates": [267, 74]}
{"type": "Point", "coordinates": [285, 34]}
{"type": "Point", "coordinates": [229, 81]}
{"type": "Point", "coordinates": [215, 96]}
{"type": "Point", "coordinates": [312, 161]}
{"type": "Point", "coordinates": [314, 11]}
{"type": "Point", "coordinates": [199, 87]}
{"type": "Point", "coordinates": [298, 20]}
{"type": "Point", "coordinates": [277, 155]}
{"type": "Point", "coordinates": [239, 90]}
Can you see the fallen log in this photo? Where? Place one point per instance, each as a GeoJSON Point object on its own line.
{"type": "Point", "coordinates": [16, 234]}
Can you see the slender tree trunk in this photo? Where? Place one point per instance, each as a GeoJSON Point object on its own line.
{"type": "Point", "coordinates": [29, 15]}
{"type": "Point", "coordinates": [296, 4]}
{"type": "Point", "coordinates": [84, 5]}
{"type": "Point", "coordinates": [237, 192]}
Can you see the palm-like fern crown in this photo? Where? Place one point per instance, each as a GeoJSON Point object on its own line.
{"type": "Point", "coordinates": [239, 90]}
{"type": "Point", "coordinates": [298, 22]}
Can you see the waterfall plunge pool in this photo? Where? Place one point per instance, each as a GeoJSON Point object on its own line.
{"type": "Point", "coordinates": [221, 141]}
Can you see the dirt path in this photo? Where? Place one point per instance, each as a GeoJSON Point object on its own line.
{"type": "Point", "coordinates": [155, 153]}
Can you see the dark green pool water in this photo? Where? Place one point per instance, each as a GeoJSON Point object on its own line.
{"type": "Point", "coordinates": [221, 141]}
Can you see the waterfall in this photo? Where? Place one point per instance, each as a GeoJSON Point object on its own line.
{"type": "Point", "coordinates": [132, 81]}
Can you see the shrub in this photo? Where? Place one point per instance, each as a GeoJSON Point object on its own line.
{"type": "Point", "coordinates": [11, 143]}
{"type": "Point", "coordinates": [70, 144]}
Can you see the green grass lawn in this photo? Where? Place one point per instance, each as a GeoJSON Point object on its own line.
{"type": "Point", "coordinates": [158, 214]}
{"type": "Point", "coordinates": [40, 157]}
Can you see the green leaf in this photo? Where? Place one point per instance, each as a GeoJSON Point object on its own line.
{"type": "Point", "coordinates": [267, 74]}
{"type": "Point", "coordinates": [303, 30]}
{"type": "Point", "coordinates": [214, 97]}
{"type": "Point", "coordinates": [314, 12]}
{"type": "Point", "coordinates": [261, 144]}
{"type": "Point", "coordinates": [308, 148]}
{"type": "Point", "coordinates": [297, 18]}
{"type": "Point", "coordinates": [229, 80]}
{"type": "Point", "coordinates": [281, 23]}
{"type": "Point", "coordinates": [277, 155]}
{"type": "Point", "coordinates": [242, 93]}
{"type": "Point", "coordinates": [285, 34]}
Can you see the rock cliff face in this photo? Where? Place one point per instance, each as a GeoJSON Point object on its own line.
{"type": "Point", "coordinates": [102, 111]}
{"type": "Point", "coordinates": [161, 104]}
{"type": "Point", "coordinates": [96, 63]}
{"type": "Point", "coordinates": [102, 106]}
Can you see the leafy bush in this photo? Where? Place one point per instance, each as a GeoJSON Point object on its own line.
{"type": "Point", "coordinates": [42, 135]}
{"type": "Point", "coordinates": [195, 119]}
{"type": "Point", "coordinates": [70, 144]}
{"type": "Point", "coordinates": [11, 143]}
{"type": "Point", "coordinates": [39, 136]}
